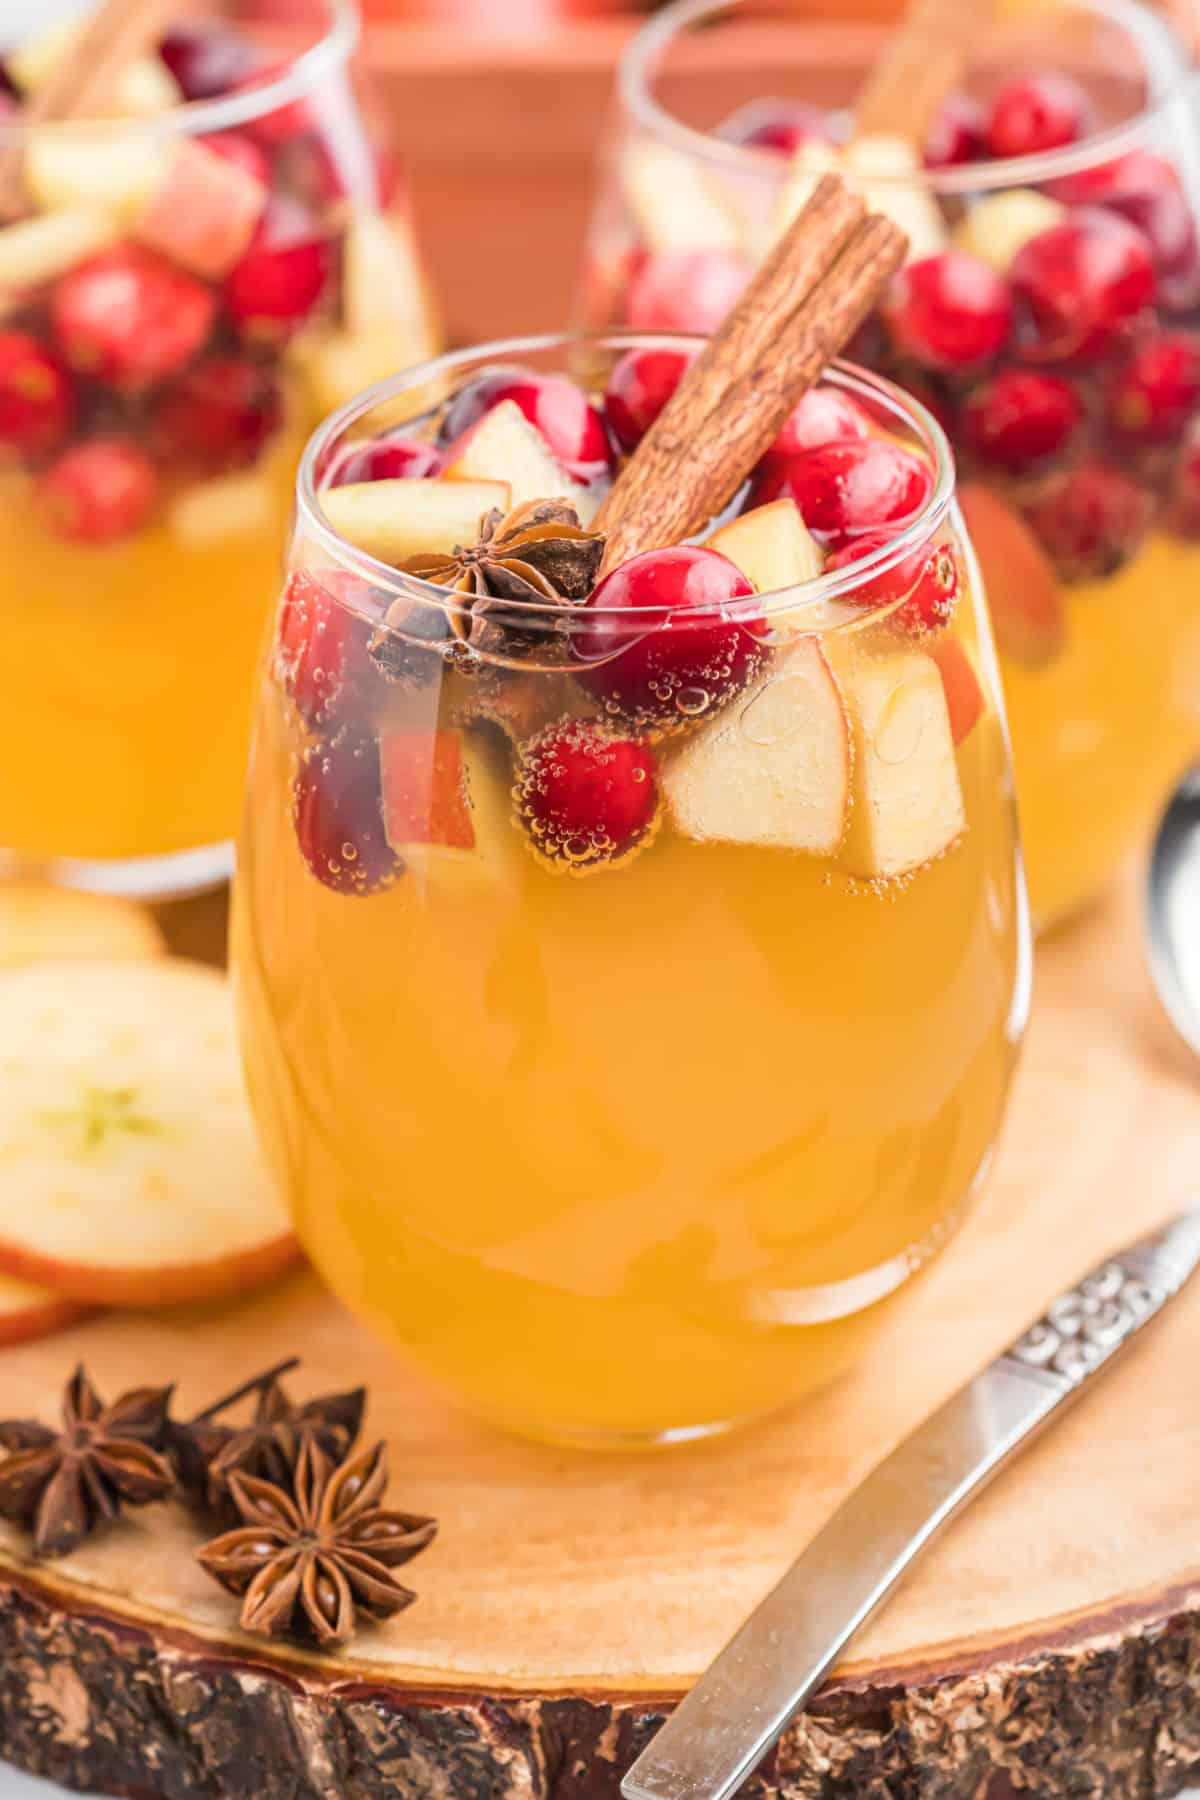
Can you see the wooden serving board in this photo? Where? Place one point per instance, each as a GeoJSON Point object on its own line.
{"type": "Point", "coordinates": [1051, 1643]}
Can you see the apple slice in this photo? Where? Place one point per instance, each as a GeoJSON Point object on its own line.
{"type": "Point", "coordinates": [424, 791]}
{"type": "Point", "coordinates": [201, 211]}
{"type": "Point", "coordinates": [998, 225]}
{"type": "Point", "coordinates": [407, 517]}
{"type": "Point", "coordinates": [38, 250]}
{"type": "Point", "coordinates": [132, 1176]}
{"type": "Point", "coordinates": [774, 768]}
{"type": "Point", "coordinates": [504, 446]}
{"type": "Point", "coordinates": [68, 169]}
{"type": "Point", "coordinates": [908, 804]}
{"type": "Point", "coordinates": [33, 1312]}
{"type": "Point", "coordinates": [1023, 595]}
{"type": "Point", "coordinates": [143, 88]}
{"type": "Point", "coordinates": [226, 507]}
{"type": "Point", "coordinates": [382, 285]}
{"type": "Point", "coordinates": [40, 923]}
{"type": "Point", "coordinates": [964, 695]}
{"type": "Point", "coordinates": [772, 547]}
{"type": "Point", "coordinates": [674, 203]}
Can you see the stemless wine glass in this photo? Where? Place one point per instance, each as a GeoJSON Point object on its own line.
{"type": "Point", "coordinates": [627, 1011]}
{"type": "Point", "coordinates": [1048, 318]}
{"type": "Point", "coordinates": [188, 286]}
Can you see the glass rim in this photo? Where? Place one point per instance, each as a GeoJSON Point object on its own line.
{"type": "Point", "coordinates": [297, 79]}
{"type": "Point", "coordinates": [814, 593]}
{"type": "Point", "coordinates": [1160, 45]}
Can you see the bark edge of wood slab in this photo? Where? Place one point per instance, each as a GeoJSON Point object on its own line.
{"type": "Point", "coordinates": [1106, 1705]}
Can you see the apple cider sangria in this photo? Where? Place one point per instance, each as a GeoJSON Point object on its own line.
{"type": "Point", "coordinates": [1049, 315]}
{"type": "Point", "coordinates": [630, 970]}
{"type": "Point", "coordinates": [185, 288]}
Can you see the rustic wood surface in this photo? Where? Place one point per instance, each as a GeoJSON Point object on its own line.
{"type": "Point", "coordinates": [1050, 1643]}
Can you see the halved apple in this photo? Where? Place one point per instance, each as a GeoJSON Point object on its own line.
{"type": "Point", "coordinates": [774, 768]}
{"type": "Point", "coordinates": [40, 249]}
{"type": "Point", "coordinates": [201, 211]}
{"type": "Point", "coordinates": [674, 201]}
{"type": "Point", "coordinates": [908, 804]}
{"type": "Point", "coordinates": [964, 695]}
{"type": "Point", "coordinates": [39, 923]}
{"type": "Point", "coordinates": [29, 1312]}
{"type": "Point", "coordinates": [72, 169]}
{"type": "Point", "coordinates": [406, 517]}
{"type": "Point", "coordinates": [504, 446]}
{"type": "Point", "coordinates": [132, 1175]}
{"type": "Point", "coordinates": [224, 507]}
{"type": "Point", "coordinates": [1023, 595]}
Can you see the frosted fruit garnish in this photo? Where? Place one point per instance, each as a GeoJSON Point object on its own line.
{"type": "Point", "coordinates": [586, 795]}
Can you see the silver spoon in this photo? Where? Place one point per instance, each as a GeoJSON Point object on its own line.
{"type": "Point", "coordinates": [1173, 910]}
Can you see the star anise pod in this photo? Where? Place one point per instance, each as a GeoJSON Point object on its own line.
{"type": "Point", "coordinates": [208, 1453]}
{"type": "Point", "coordinates": [310, 1555]}
{"type": "Point", "coordinates": [62, 1484]}
{"type": "Point", "coordinates": [537, 554]}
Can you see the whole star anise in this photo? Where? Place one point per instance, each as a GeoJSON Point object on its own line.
{"type": "Point", "coordinates": [62, 1484]}
{"type": "Point", "coordinates": [537, 554]}
{"type": "Point", "coordinates": [310, 1555]}
{"type": "Point", "coordinates": [208, 1452]}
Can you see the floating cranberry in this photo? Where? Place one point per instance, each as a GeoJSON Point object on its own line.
{"type": "Point", "coordinates": [783, 126]}
{"type": "Point", "coordinates": [1082, 281]}
{"type": "Point", "coordinates": [1020, 417]}
{"type": "Point", "coordinates": [129, 318]}
{"type": "Point", "coordinates": [668, 673]}
{"type": "Point", "coordinates": [220, 413]}
{"type": "Point", "coordinates": [1183, 506]}
{"type": "Point", "coordinates": [387, 458]}
{"type": "Point", "coordinates": [283, 274]}
{"type": "Point", "coordinates": [206, 59]}
{"type": "Point", "coordinates": [926, 580]}
{"type": "Point", "coordinates": [823, 416]}
{"type": "Point", "coordinates": [37, 396]}
{"type": "Point", "coordinates": [97, 491]}
{"type": "Point", "coordinates": [559, 409]}
{"type": "Point", "coordinates": [950, 311]}
{"type": "Point", "coordinates": [958, 133]}
{"type": "Point", "coordinates": [686, 290]}
{"type": "Point", "coordinates": [237, 148]}
{"type": "Point", "coordinates": [1038, 112]}
{"type": "Point", "coordinates": [1090, 520]}
{"type": "Point", "coordinates": [586, 796]}
{"type": "Point", "coordinates": [1144, 189]}
{"type": "Point", "coordinates": [848, 488]}
{"type": "Point", "coordinates": [1153, 395]}
{"type": "Point", "coordinates": [337, 810]}
{"type": "Point", "coordinates": [639, 387]}
{"type": "Point", "coordinates": [323, 639]}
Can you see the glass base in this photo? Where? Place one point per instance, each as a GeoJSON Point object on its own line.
{"type": "Point", "coordinates": [150, 879]}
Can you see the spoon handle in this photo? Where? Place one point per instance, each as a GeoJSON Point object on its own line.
{"type": "Point", "coordinates": [724, 1727]}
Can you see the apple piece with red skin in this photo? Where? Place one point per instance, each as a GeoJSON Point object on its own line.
{"type": "Point", "coordinates": [204, 212]}
{"type": "Point", "coordinates": [951, 311]}
{"type": "Point", "coordinates": [638, 389]}
{"type": "Point", "coordinates": [1020, 417]}
{"type": "Point", "coordinates": [28, 1312]}
{"type": "Point", "coordinates": [957, 135]}
{"type": "Point", "coordinates": [823, 416]}
{"type": "Point", "coordinates": [964, 695]}
{"type": "Point", "coordinates": [1023, 595]}
{"type": "Point", "coordinates": [98, 491]}
{"type": "Point", "coordinates": [664, 673]}
{"type": "Point", "coordinates": [1081, 283]}
{"type": "Point", "coordinates": [553, 404]}
{"type": "Point", "coordinates": [686, 290]}
{"type": "Point", "coordinates": [391, 457]}
{"type": "Point", "coordinates": [1039, 111]}
{"type": "Point", "coordinates": [504, 446]}
{"type": "Point", "coordinates": [37, 396]}
{"type": "Point", "coordinates": [424, 790]}
{"type": "Point", "coordinates": [925, 581]}
{"type": "Point", "coordinates": [586, 794]}
{"type": "Point", "coordinates": [1154, 393]}
{"type": "Point", "coordinates": [129, 318]}
{"type": "Point", "coordinates": [847, 488]}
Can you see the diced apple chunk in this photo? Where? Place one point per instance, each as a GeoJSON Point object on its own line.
{"type": "Point", "coordinates": [424, 790]}
{"type": "Point", "coordinates": [908, 203]}
{"type": "Point", "coordinates": [228, 506]}
{"type": "Point", "coordinates": [774, 768]}
{"type": "Point", "coordinates": [771, 546]}
{"type": "Point", "coordinates": [202, 211]}
{"type": "Point", "coordinates": [1026, 606]}
{"type": "Point", "coordinates": [76, 169]}
{"type": "Point", "coordinates": [998, 225]}
{"type": "Point", "coordinates": [382, 283]}
{"type": "Point", "coordinates": [337, 366]}
{"type": "Point", "coordinates": [675, 204]}
{"type": "Point", "coordinates": [404, 517]}
{"type": "Point", "coordinates": [144, 86]}
{"type": "Point", "coordinates": [504, 446]}
{"type": "Point", "coordinates": [38, 250]}
{"type": "Point", "coordinates": [908, 804]}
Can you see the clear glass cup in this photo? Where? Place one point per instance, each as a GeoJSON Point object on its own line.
{"type": "Point", "coordinates": [185, 290]}
{"type": "Point", "coordinates": [626, 1133]}
{"type": "Point", "coordinates": [1068, 379]}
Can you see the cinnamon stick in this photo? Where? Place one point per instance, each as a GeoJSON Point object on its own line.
{"type": "Point", "coordinates": [805, 302]}
{"type": "Point", "coordinates": [82, 82]}
{"type": "Point", "coordinates": [921, 63]}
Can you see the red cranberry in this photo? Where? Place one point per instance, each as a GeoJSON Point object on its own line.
{"type": "Point", "coordinates": [242, 151]}
{"type": "Point", "coordinates": [1153, 395]}
{"type": "Point", "coordinates": [1038, 112]}
{"type": "Point", "coordinates": [561, 411]}
{"type": "Point", "coordinates": [221, 412]}
{"type": "Point", "coordinates": [206, 59]}
{"type": "Point", "coordinates": [848, 488]}
{"type": "Point", "coordinates": [667, 674]}
{"type": "Point", "coordinates": [824, 415]}
{"type": "Point", "coordinates": [1090, 520]}
{"type": "Point", "coordinates": [1183, 506]}
{"type": "Point", "coordinates": [958, 133]}
{"type": "Point", "coordinates": [98, 491]}
{"type": "Point", "coordinates": [638, 389]}
{"type": "Point", "coordinates": [384, 459]}
{"type": "Point", "coordinates": [1020, 417]}
{"type": "Point", "coordinates": [783, 126]}
{"type": "Point", "coordinates": [686, 290]}
{"type": "Point", "coordinates": [337, 810]}
{"type": "Point", "coordinates": [1144, 189]}
{"type": "Point", "coordinates": [37, 395]}
{"type": "Point", "coordinates": [283, 274]}
{"type": "Point", "coordinates": [950, 311]}
{"type": "Point", "coordinates": [127, 317]}
{"type": "Point", "coordinates": [1082, 281]}
{"type": "Point", "coordinates": [926, 581]}
{"type": "Point", "coordinates": [585, 796]}
{"type": "Point", "coordinates": [323, 643]}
